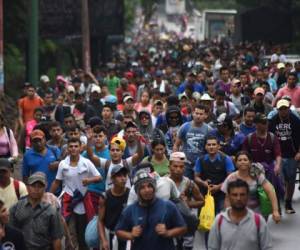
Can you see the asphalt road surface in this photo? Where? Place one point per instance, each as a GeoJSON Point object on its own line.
{"type": "Point", "coordinates": [286, 234]}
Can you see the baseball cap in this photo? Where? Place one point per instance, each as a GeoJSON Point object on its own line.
{"type": "Point", "coordinates": [119, 142]}
{"type": "Point", "coordinates": [178, 156]}
{"type": "Point", "coordinates": [282, 103]}
{"type": "Point", "coordinates": [127, 98]}
{"type": "Point", "coordinates": [223, 119]}
{"type": "Point", "coordinates": [5, 164]}
{"type": "Point", "coordinates": [70, 88]}
{"type": "Point", "coordinates": [131, 124]}
{"type": "Point", "coordinates": [260, 118]}
{"type": "Point", "coordinates": [235, 81]}
{"type": "Point", "coordinates": [196, 96]}
{"type": "Point", "coordinates": [37, 177]}
{"type": "Point", "coordinates": [158, 102]}
{"type": "Point", "coordinates": [44, 78]}
{"type": "Point", "coordinates": [61, 79]}
{"type": "Point", "coordinates": [158, 73]}
{"type": "Point", "coordinates": [117, 169]}
{"type": "Point", "coordinates": [220, 92]}
{"type": "Point", "coordinates": [182, 96]}
{"type": "Point", "coordinates": [259, 90]}
{"type": "Point", "coordinates": [37, 133]}
{"type": "Point", "coordinates": [192, 73]}
{"type": "Point", "coordinates": [280, 66]}
{"type": "Point", "coordinates": [254, 68]}
{"type": "Point", "coordinates": [95, 88]}
{"type": "Point", "coordinates": [206, 97]}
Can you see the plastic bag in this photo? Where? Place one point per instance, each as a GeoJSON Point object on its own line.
{"type": "Point", "coordinates": [207, 214]}
{"type": "Point", "coordinates": [264, 202]}
{"type": "Point", "coordinates": [91, 233]}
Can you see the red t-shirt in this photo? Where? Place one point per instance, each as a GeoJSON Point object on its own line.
{"type": "Point", "coordinates": [130, 89]}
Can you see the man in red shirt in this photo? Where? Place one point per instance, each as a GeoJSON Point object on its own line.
{"type": "Point", "coordinates": [125, 88]}
{"type": "Point", "coordinates": [290, 89]}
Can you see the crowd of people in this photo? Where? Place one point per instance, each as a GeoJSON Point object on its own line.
{"type": "Point", "coordinates": [167, 119]}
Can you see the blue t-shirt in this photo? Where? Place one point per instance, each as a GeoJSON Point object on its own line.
{"type": "Point", "coordinates": [193, 139]}
{"type": "Point", "coordinates": [228, 163]}
{"type": "Point", "coordinates": [197, 87]}
{"type": "Point", "coordinates": [232, 146]}
{"type": "Point", "coordinates": [98, 187]}
{"type": "Point", "coordinates": [246, 130]}
{"type": "Point", "coordinates": [35, 162]}
{"type": "Point", "coordinates": [161, 211]}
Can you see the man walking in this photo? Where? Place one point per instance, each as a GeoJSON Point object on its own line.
{"type": "Point", "coordinates": [286, 126]}
{"type": "Point", "coordinates": [238, 227]}
{"type": "Point", "coordinates": [39, 221]}
{"type": "Point", "coordinates": [191, 136]}
{"type": "Point", "coordinates": [151, 223]}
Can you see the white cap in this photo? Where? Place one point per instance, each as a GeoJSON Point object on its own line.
{"type": "Point", "coordinates": [95, 88]}
{"type": "Point", "coordinates": [44, 78]}
{"type": "Point", "coordinates": [283, 103]}
{"type": "Point", "coordinates": [180, 96]}
{"type": "Point", "coordinates": [206, 97]}
{"type": "Point", "coordinates": [71, 88]}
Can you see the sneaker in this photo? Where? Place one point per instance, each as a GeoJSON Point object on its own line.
{"type": "Point", "coordinates": [289, 209]}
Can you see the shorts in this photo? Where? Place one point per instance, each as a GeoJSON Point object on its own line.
{"type": "Point", "coordinates": [289, 169]}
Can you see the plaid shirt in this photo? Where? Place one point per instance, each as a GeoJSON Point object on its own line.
{"type": "Point", "coordinates": [40, 225]}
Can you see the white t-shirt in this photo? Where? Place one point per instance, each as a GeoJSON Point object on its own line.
{"type": "Point", "coordinates": [165, 189]}
{"type": "Point", "coordinates": [8, 194]}
{"type": "Point", "coordinates": [72, 177]}
{"type": "Point", "coordinates": [108, 181]}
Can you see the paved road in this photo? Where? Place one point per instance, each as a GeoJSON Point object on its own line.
{"type": "Point", "coordinates": [285, 234]}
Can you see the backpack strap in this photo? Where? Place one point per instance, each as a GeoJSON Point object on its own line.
{"type": "Point", "coordinates": [272, 137]}
{"type": "Point", "coordinates": [17, 188]}
{"type": "Point", "coordinates": [106, 166]}
{"type": "Point", "coordinates": [249, 139]}
{"type": "Point", "coordinates": [257, 221]}
{"type": "Point", "coordinates": [220, 220]}
{"type": "Point", "coordinates": [8, 133]}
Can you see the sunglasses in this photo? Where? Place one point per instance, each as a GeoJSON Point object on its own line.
{"type": "Point", "coordinates": [145, 117]}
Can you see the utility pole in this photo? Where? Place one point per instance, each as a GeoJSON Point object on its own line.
{"type": "Point", "coordinates": [1, 49]}
{"type": "Point", "coordinates": [33, 42]}
{"type": "Point", "coordinates": [85, 31]}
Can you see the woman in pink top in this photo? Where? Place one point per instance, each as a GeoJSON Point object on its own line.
{"type": "Point", "coordinates": [37, 116]}
{"type": "Point", "coordinates": [8, 144]}
{"type": "Point", "coordinates": [144, 102]}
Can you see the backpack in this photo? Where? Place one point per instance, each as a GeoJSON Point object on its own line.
{"type": "Point", "coordinates": [256, 219]}
{"type": "Point", "coordinates": [249, 138]}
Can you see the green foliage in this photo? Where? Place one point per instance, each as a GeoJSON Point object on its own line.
{"type": "Point", "coordinates": [14, 68]}
{"type": "Point", "coordinates": [130, 7]}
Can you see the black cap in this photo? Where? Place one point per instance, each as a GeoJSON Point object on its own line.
{"type": "Point", "coordinates": [220, 92]}
{"type": "Point", "coordinates": [131, 124]}
{"type": "Point", "coordinates": [260, 118]}
{"type": "Point", "coordinates": [5, 164]}
{"type": "Point", "coordinates": [118, 169]}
